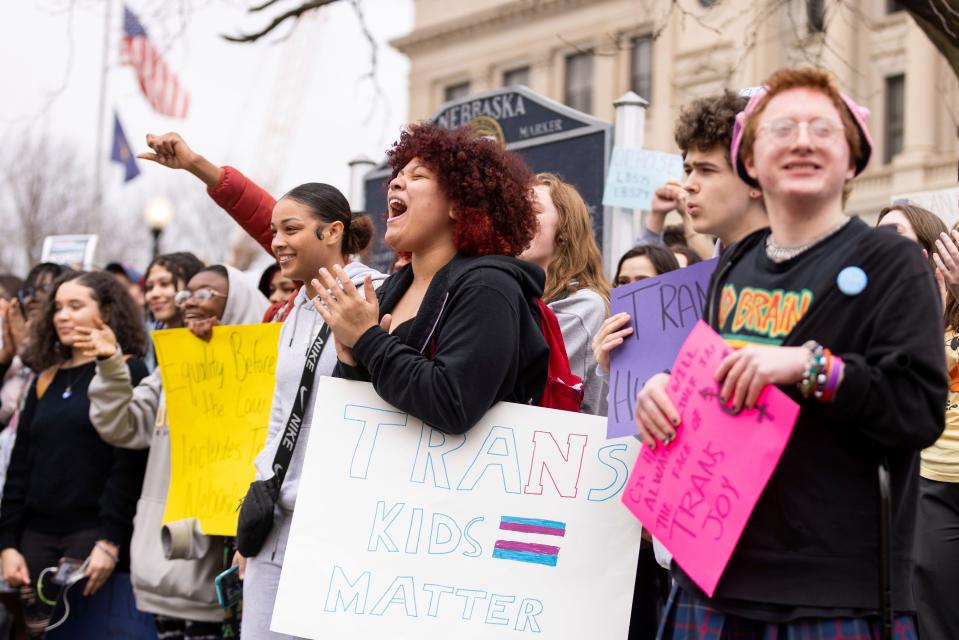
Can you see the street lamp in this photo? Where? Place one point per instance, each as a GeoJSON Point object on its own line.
{"type": "Point", "coordinates": [157, 214]}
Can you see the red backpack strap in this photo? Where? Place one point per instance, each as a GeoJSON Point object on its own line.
{"type": "Point", "coordinates": [564, 389]}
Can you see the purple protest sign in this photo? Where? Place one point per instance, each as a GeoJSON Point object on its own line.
{"type": "Point", "coordinates": [663, 310]}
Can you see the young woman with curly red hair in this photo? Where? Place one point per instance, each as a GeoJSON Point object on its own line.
{"type": "Point", "coordinates": [455, 331]}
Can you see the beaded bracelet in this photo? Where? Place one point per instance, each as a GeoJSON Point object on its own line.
{"type": "Point", "coordinates": [823, 372]}
{"type": "Point", "coordinates": [807, 385]}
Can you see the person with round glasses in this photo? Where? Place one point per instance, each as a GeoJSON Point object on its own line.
{"type": "Point", "coordinates": [199, 296]}
{"type": "Point", "coordinates": [846, 320]}
{"type": "Point", "coordinates": [177, 590]}
{"type": "Point", "coordinates": [786, 130]}
{"type": "Point", "coordinates": [25, 308]}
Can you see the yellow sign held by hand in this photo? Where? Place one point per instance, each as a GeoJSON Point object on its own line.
{"type": "Point", "coordinates": [218, 397]}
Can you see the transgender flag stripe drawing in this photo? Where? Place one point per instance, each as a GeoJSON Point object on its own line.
{"type": "Point", "coordinates": [530, 552]}
{"type": "Point", "coordinates": [533, 525]}
{"type": "Point", "coordinates": [159, 85]}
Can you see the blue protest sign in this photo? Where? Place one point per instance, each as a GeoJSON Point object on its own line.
{"type": "Point", "coordinates": [635, 174]}
{"type": "Point", "coordinates": [109, 613]}
{"type": "Point", "coordinates": [663, 310]}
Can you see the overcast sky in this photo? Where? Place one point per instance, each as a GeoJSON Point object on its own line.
{"type": "Point", "coordinates": [288, 112]}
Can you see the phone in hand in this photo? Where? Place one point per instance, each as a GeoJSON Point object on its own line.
{"type": "Point", "coordinates": [68, 570]}
{"type": "Point", "coordinates": [229, 587]}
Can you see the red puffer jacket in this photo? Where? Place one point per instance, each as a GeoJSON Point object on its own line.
{"type": "Point", "coordinates": [252, 207]}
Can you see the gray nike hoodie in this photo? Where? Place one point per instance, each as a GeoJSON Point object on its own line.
{"type": "Point", "coordinates": [299, 330]}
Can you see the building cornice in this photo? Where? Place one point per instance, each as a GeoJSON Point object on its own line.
{"type": "Point", "coordinates": [480, 23]}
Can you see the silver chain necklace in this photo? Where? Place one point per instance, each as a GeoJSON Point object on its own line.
{"type": "Point", "coordinates": [70, 381]}
{"type": "Point", "coordinates": [778, 253]}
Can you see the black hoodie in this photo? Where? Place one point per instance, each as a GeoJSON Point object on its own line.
{"type": "Point", "coordinates": [475, 341]}
{"type": "Point", "coordinates": [812, 541]}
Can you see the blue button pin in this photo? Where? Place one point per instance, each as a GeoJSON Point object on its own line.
{"type": "Point", "coordinates": [852, 281]}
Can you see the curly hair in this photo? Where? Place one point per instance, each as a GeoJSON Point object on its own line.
{"type": "Point", "coordinates": [182, 265]}
{"type": "Point", "coordinates": [707, 123]}
{"type": "Point", "coordinates": [488, 186]}
{"type": "Point", "coordinates": [117, 308]}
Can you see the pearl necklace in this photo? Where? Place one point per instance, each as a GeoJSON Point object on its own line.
{"type": "Point", "coordinates": [778, 253]}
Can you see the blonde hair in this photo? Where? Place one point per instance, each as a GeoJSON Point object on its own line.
{"type": "Point", "coordinates": [577, 262]}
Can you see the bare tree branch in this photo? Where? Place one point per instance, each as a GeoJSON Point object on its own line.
{"type": "Point", "coordinates": [265, 5]}
{"type": "Point", "coordinates": [370, 75]}
{"type": "Point", "coordinates": [695, 17]}
{"type": "Point", "coordinates": [293, 13]}
{"type": "Point", "coordinates": [46, 190]}
{"type": "Point", "coordinates": [939, 19]}
{"type": "Point", "coordinates": [578, 49]}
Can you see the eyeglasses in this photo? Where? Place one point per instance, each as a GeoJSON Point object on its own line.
{"type": "Point", "coordinates": [786, 130]}
{"type": "Point", "coordinates": [200, 295]}
{"type": "Point", "coordinates": [31, 292]}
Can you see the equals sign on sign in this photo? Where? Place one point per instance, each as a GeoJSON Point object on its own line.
{"type": "Point", "coordinates": [531, 552]}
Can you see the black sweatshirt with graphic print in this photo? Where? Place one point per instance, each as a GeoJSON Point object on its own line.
{"type": "Point", "coordinates": [811, 545]}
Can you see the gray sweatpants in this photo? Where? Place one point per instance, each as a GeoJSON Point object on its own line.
{"type": "Point", "coordinates": [262, 580]}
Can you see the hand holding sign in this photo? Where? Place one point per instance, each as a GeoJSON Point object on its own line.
{"type": "Point", "coordinates": [696, 494]}
{"type": "Point", "coordinates": [656, 415]}
{"type": "Point", "coordinates": [610, 336]}
{"type": "Point", "coordinates": [663, 311]}
{"type": "Point", "coordinates": [746, 372]}
{"type": "Point", "coordinates": [511, 530]}
{"type": "Point", "coordinates": [218, 396]}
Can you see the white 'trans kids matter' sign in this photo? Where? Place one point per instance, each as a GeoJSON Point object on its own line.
{"type": "Point", "coordinates": [515, 529]}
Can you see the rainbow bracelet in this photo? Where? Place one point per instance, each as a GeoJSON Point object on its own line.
{"type": "Point", "coordinates": [828, 392]}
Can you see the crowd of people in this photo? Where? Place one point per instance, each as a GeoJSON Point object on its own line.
{"type": "Point", "coordinates": [499, 294]}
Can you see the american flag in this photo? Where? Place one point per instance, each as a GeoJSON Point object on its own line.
{"type": "Point", "coordinates": [159, 85]}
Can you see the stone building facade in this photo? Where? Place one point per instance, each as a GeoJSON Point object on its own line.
{"type": "Point", "coordinates": [587, 53]}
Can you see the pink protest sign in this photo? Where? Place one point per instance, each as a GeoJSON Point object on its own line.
{"type": "Point", "coordinates": [696, 494]}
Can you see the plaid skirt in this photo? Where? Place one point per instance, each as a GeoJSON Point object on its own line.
{"type": "Point", "coordinates": [688, 619]}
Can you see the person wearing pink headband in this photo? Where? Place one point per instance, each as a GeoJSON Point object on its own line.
{"type": "Point", "coordinates": [846, 320]}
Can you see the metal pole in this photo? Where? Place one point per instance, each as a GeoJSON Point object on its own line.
{"type": "Point", "coordinates": [98, 160]}
{"type": "Point", "coordinates": [156, 241]}
{"type": "Point", "coordinates": [885, 552]}
{"type": "Point", "coordinates": [623, 225]}
{"type": "Point", "coordinates": [359, 167]}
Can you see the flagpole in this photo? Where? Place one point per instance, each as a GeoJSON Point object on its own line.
{"type": "Point", "coordinates": [101, 114]}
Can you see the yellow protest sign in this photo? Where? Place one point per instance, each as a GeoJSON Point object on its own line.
{"type": "Point", "coordinates": [218, 397]}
